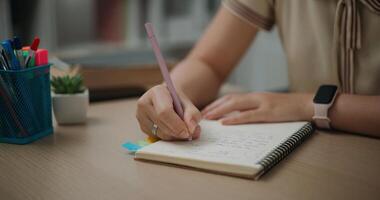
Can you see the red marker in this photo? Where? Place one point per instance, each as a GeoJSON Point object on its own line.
{"type": "Point", "coordinates": [41, 57]}
{"type": "Point", "coordinates": [32, 50]}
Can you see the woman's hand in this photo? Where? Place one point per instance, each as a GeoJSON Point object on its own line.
{"type": "Point", "coordinates": [260, 107]}
{"type": "Point", "coordinates": [156, 107]}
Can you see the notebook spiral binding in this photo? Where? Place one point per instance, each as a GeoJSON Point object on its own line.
{"type": "Point", "coordinates": [282, 150]}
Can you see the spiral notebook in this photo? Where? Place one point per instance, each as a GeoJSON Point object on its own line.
{"type": "Point", "coordinates": [240, 150]}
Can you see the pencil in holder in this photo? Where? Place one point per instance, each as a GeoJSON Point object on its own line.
{"type": "Point", "coordinates": [25, 105]}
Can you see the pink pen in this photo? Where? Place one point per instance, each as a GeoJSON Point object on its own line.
{"type": "Point", "coordinates": [164, 71]}
{"type": "Point", "coordinates": [32, 50]}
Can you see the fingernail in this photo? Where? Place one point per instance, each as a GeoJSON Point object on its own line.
{"type": "Point", "coordinates": [196, 133]}
{"type": "Point", "coordinates": [226, 121]}
{"type": "Point", "coordinates": [194, 125]}
{"type": "Point", "coordinates": [197, 130]}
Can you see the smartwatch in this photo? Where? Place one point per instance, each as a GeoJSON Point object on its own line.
{"type": "Point", "coordinates": [323, 100]}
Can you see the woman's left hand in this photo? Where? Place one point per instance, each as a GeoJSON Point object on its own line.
{"type": "Point", "coordinates": [260, 107]}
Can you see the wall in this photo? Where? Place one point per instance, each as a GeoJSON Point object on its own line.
{"type": "Point", "coordinates": [5, 26]}
{"type": "Point", "coordinates": [264, 67]}
{"type": "Point", "coordinates": [76, 21]}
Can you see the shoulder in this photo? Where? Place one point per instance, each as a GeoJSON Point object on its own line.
{"type": "Point", "coordinates": [259, 13]}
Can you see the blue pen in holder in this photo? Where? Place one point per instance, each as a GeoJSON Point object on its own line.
{"type": "Point", "coordinates": [25, 105]}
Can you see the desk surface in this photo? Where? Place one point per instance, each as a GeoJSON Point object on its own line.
{"type": "Point", "coordinates": [87, 162]}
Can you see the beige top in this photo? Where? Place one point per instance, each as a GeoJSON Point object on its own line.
{"type": "Point", "coordinates": [326, 41]}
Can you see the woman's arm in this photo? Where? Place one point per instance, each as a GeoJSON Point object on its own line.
{"type": "Point", "coordinates": [350, 113]}
{"type": "Point", "coordinates": [356, 113]}
{"type": "Point", "coordinates": [197, 79]}
{"type": "Point", "coordinates": [201, 74]}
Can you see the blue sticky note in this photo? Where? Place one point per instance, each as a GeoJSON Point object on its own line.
{"type": "Point", "coordinates": [131, 147]}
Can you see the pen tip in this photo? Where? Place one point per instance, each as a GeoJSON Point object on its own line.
{"type": "Point", "coordinates": [35, 44]}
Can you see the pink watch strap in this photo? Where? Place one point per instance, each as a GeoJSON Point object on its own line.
{"type": "Point", "coordinates": [321, 114]}
{"type": "Point", "coordinates": [322, 123]}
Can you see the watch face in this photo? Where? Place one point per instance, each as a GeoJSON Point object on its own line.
{"type": "Point", "coordinates": [325, 94]}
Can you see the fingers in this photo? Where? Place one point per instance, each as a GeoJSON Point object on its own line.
{"type": "Point", "coordinates": [230, 104]}
{"type": "Point", "coordinates": [164, 113]}
{"type": "Point", "coordinates": [197, 132]}
{"type": "Point", "coordinates": [192, 117]}
{"type": "Point", "coordinates": [156, 106]}
{"type": "Point", "coordinates": [215, 104]}
{"type": "Point", "coordinates": [175, 132]}
{"type": "Point", "coordinates": [250, 116]}
{"type": "Point", "coordinates": [146, 125]}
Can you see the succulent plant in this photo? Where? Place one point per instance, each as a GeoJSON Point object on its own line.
{"type": "Point", "coordinates": [68, 84]}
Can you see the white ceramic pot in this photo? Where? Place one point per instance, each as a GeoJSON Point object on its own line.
{"type": "Point", "coordinates": [70, 108]}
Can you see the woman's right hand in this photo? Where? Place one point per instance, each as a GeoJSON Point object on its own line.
{"type": "Point", "coordinates": [156, 107]}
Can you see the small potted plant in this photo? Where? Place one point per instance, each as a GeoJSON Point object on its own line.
{"type": "Point", "coordinates": [70, 99]}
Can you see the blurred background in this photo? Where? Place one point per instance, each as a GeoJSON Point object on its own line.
{"type": "Point", "coordinates": [107, 39]}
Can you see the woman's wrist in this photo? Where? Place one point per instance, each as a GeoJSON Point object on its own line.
{"type": "Point", "coordinates": [307, 107]}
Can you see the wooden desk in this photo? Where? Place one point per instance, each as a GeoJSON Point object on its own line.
{"type": "Point", "coordinates": [87, 162]}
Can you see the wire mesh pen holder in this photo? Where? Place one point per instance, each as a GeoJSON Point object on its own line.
{"type": "Point", "coordinates": [25, 105]}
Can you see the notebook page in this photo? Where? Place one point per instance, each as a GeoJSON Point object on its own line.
{"type": "Point", "coordinates": [242, 145]}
